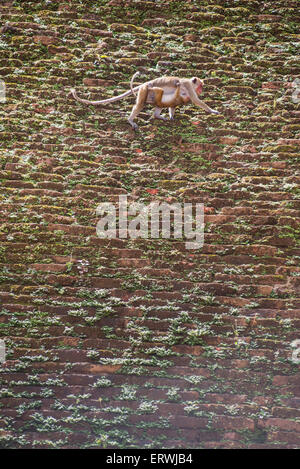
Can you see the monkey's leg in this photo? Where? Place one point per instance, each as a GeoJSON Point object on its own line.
{"type": "Point", "coordinates": [171, 112]}
{"type": "Point", "coordinates": [140, 103]}
{"type": "Point", "coordinates": [157, 115]}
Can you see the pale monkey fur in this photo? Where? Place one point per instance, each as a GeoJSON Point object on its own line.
{"type": "Point", "coordinates": [161, 92]}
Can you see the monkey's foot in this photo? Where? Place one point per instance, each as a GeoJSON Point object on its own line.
{"type": "Point", "coordinates": [133, 125]}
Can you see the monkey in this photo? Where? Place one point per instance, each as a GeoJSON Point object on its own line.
{"type": "Point", "coordinates": [165, 92]}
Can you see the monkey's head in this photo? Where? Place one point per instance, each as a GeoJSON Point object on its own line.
{"type": "Point", "coordinates": [198, 84]}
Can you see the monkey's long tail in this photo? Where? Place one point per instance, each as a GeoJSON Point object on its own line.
{"type": "Point", "coordinates": [103, 101]}
{"type": "Point", "coordinates": [131, 83]}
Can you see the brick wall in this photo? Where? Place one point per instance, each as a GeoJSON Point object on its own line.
{"type": "Point", "coordinates": [122, 343]}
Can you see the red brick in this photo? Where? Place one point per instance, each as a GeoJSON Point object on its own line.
{"type": "Point", "coordinates": [46, 40]}
{"type": "Point", "coordinates": [234, 423]}
{"type": "Point", "coordinates": [282, 424]}
{"type": "Point", "coordinates": [280, 380]}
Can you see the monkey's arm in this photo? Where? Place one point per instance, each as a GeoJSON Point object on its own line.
{"type": "Point", "coordinates": [195, 100]}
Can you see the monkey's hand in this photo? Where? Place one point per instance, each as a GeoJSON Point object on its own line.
{"type": "Point", "coordinates": [213, 111]}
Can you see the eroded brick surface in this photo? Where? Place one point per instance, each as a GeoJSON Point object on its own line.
{"type": "Point", "coordinates": [142, 343]}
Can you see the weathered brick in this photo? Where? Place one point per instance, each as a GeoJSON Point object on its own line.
{"type": "Point", "coordinates": [234, 423]}
{"type": "Point", "coordinates": [282, 424]}
{"type": "Point", "coordinates": [117, 343]}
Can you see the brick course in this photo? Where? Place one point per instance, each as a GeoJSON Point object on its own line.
{"type": "Point", "coordinates": [143, 343]}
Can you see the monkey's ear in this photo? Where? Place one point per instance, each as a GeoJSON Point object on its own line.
{"type": "Point", "coordinates": [194, 80]}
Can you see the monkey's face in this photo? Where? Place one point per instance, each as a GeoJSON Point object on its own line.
{"type": "Point", "coordinates": [198, 84]}
{"type": "Point", "coordinates": [199, 88]}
